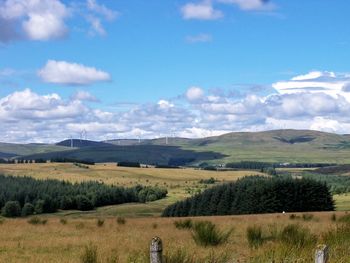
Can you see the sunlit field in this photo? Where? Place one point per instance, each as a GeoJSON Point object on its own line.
{"type": "Point", "coordinates": [65, 242]}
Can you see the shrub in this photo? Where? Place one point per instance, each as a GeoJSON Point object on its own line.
{"type": "Point", "coordinates": [63, 221]}
{"type": "Point", "coordinates": [100, 222]}
{"type": "Point", "coordinates": [334, 217]}
{"type": "Point", "coordinates": [154, 225]}
{"type": "Point", "coordinates": [1, 221]}
{"type": "Point", "coordinates": [254, 236]}
{"type": "Point", "coordinates": [90, 254]}
{"type": "Point", "coordinates": [80, 225]}
{"type": "Point", "coordinates": [208, 181]}
{"type": "Point", "coordinates": [205, 233]}
{"type": "Point", "coordinates": [11, 209]}
{"type": "Point", "coordinates": [35, 220]}
{"type": "Point", "coordinates": [129, 164]}
{"type": "Point", "coordinates": [121, 221]}
{"type": "Point", "coordinates": [296, 236]}
{"type": "Point", "coordinates": [308, 217]}
{"type": "Point", "coordinates": [28, 209]}
{"type": "Point", "coordinates": [293, 216]}
{"type": "Point", "coordinates": [183, 224]}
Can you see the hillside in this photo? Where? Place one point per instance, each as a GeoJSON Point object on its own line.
{"type": "Point", "coordinates": [270, 146]}
{"type": "Point", "coordinates": [11, 150]}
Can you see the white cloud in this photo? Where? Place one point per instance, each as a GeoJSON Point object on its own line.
{"type": "Point", "coordinates": [98, 13]}
{"type": "Point", "coordinates": [50, 118]}
{"type": "Point", "coordinates": [83, 95]}
{"type": "Point", "coordinates": [67, 73]}
{"type": "Point", "coordinates": [43, 20]}
{"type": "Point", "coordinates": [164, 104]}
{"type": "Point", "coordinates": [194, 94]}
{"type": "Point", "coordinates": [202, 11]}
{"type": "Point", "coordinates": [40, 19]}
{"type": "Point", "coordinates": [109, 14]}
{"type": "Point", "coordinates": [200, 38]}
{"type": "Point", "coordinates": [249, 5]}
{"type": "Point", "coordinates": [328, 83]}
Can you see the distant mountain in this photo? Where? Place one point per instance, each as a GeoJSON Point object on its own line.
{"type": "Point", "coordinates": [76, 143]}
{"type": "Point", "coordinates": [295, 146]}
{"type": "Point", "coordinates": [12, 149]}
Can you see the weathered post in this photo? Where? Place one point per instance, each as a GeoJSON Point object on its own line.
{"type": "Point", "coordinates": [321, 255]}
{"type": "Point", "coordinates": [156, 250]}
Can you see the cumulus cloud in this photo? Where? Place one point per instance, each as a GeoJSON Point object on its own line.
{"type": "Point", "coordinates": [83, 95]}
{"type": "Point", "coordinates": [201, 11]}
{"type": "Point", "coordinates": [194, 94]}
{"type": "Point", "coordinates": [67, 73]}
{"type": "Point", "coordinates": [196, 114]}
{"type": "Point", "coordinates": [38, 19]}
{"type": "Point", "coordinates": [43, 20]}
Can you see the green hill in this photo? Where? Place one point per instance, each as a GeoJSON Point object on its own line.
{"type": "Point", "coordinates": [294, 146]}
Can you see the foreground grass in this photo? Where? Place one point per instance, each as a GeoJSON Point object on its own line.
{"type": "Point", "coordinates": [66, 242]}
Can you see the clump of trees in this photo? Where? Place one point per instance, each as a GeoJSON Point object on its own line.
{"type": "Point", "coordinates": [263, 165]}
{"type": "Point", "coordinates": [254, 195]}
{"type": "Point", "coordinates": [23, 196]}
{"type": "Point", "coordinates": [129, 164]}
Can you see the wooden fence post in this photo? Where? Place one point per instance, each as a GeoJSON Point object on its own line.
{"type": "Point", "coordinates": [156, 250]}
{"type": "Point", "coordinates": [321, 255]}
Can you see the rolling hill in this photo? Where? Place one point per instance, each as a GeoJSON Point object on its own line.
{"type": "Point", "coordinates": [294, 146]}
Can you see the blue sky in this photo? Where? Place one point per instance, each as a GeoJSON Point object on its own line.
{"type": "Point", "coordinates": [202, 67]}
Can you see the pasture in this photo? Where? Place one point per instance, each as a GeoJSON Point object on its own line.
{"type": "Point", "coordinates": [116, 242]}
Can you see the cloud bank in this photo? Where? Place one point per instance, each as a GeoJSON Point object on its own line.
{"type": "Point", "coordinates": [297, 103]}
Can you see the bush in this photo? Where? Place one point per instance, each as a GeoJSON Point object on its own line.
{"type": "Point", "coordinates": [205, 233]}
{"type": "Point", "coordinates": [11, 209]}
{"type": "Point", "coordinates": [121, 221]}
{"type": "Point", "coordinates": [308, 217]}
{"type": "Point", "coordinates": [90, 254]}
{"type": "Point", "coordinates": [184, 224]}
{"type": "Point", "coordinates": [37, 221]}
{"type": "Point", "coordinates": [63, 221]}
{"type": "Point", "coordinates": [100, 222]}
{"type": "Point", "coordinates": [296, 236]}
{"type": "Point", "coordinates": [208, 181]}
{"type": "Point", "coordinates": [254, 236]}
{"type": "Point", "coordinates": [28, 209]}
{"type": "Point", "coordinates": [334, 217]}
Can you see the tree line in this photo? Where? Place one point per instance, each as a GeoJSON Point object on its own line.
{"type": "Point", "coordinates": [254, 195]}
{"type": "Point", "coordinates": [264, 165]}
{"type": "Point", "coordinates": [25, 195]}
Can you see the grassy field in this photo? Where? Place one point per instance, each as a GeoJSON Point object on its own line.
{"type": "Point", "coordinates": [57, 242]}
{"type": "Point", "coordinates": [180, 183]}
{"type": "Point", "coordinates": [66, 234]}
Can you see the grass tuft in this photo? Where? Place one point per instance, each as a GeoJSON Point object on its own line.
{"type": "Point", "coordinates": [184, 224]}
{"type": "Point", "coordinates": [254, 236]}
{"type": "Point", "coordinates": [89, 254]}
{"type": "Point", "coordinates": [205, 233]}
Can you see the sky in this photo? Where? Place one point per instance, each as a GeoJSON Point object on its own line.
{"type": "Point", "coordinates": [112, 69]}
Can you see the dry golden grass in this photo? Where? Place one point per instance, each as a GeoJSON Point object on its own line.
{"type": "Point", "coordinates": [111, 174]}
{"type": "Point", "coordinates": [55, 242]}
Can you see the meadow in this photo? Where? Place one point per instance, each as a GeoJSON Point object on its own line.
{"type": "Point", "coordinates": [181, 183]}
{"type": "Point", "coordinates": [65, 240]}
{"type": "Point", "coordinates": [122, 233]}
